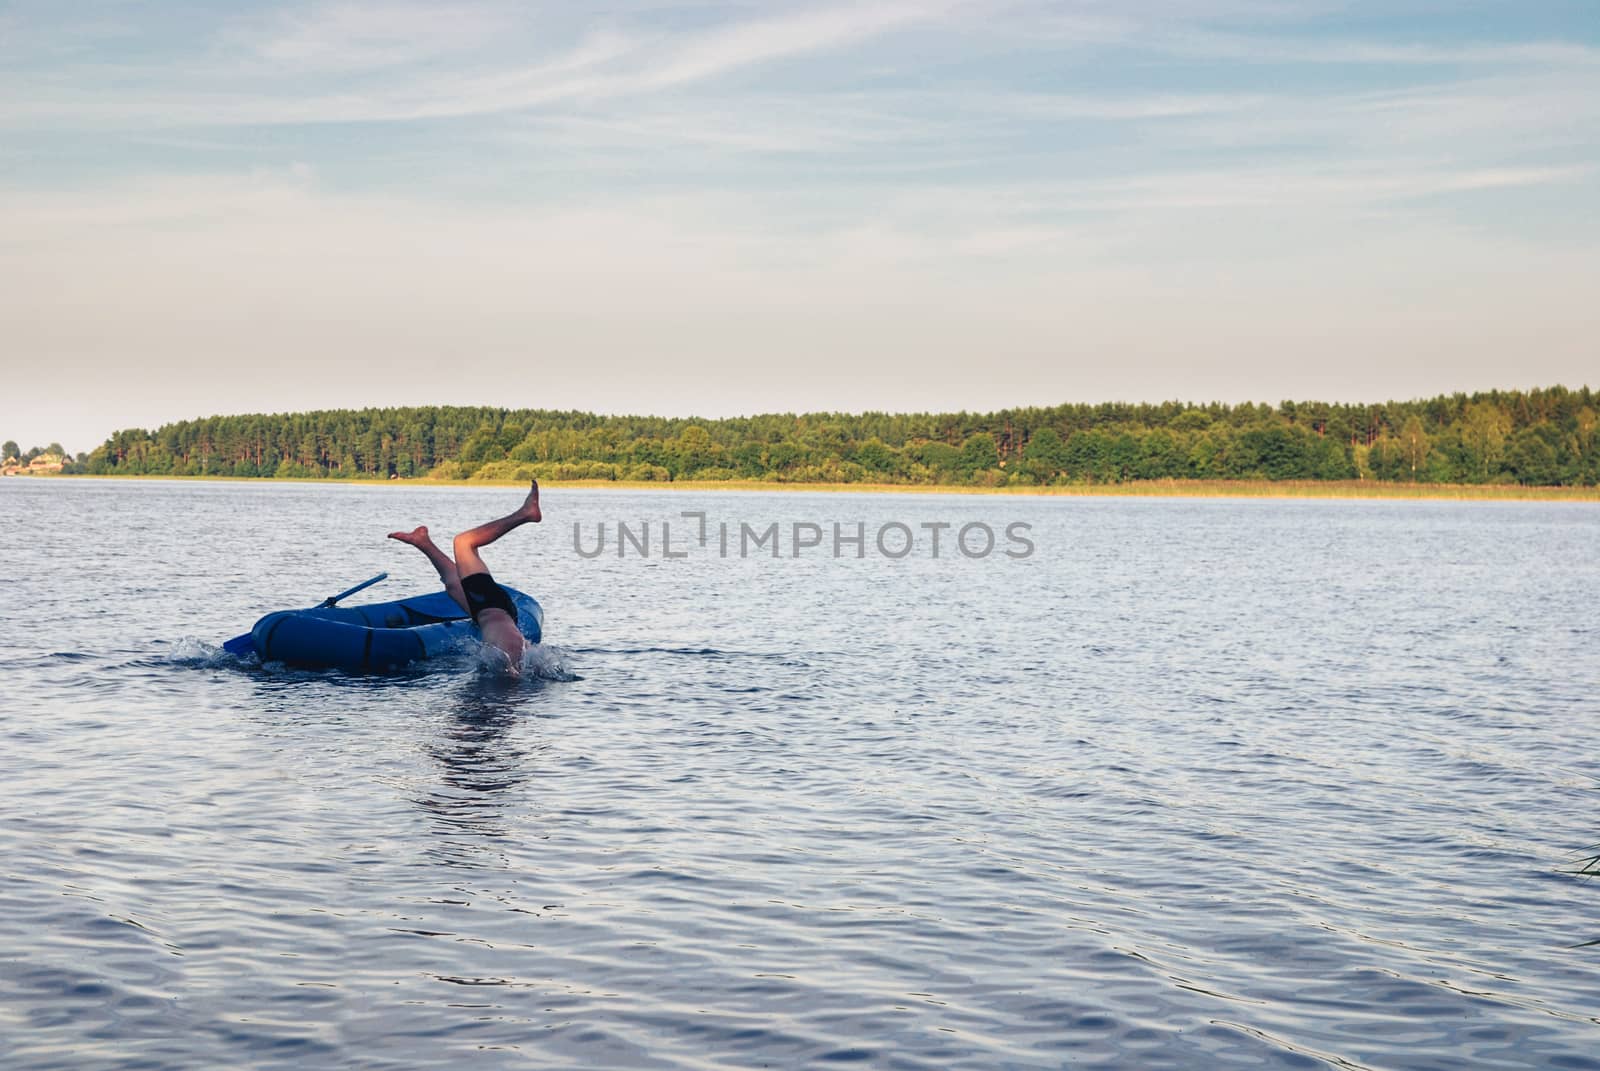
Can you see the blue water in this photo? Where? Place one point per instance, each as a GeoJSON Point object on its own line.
{"type": "Point", "coordinates": [1198, 783]}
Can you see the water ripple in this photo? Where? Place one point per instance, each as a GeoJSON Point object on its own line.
{"type": "Point", "coordinates": [1211, 784]}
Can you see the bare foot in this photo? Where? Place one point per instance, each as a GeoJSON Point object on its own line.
{"type": "Point", "coordinates": [530, 508]}
{"type": "Point", "coordinates": [416, 537]}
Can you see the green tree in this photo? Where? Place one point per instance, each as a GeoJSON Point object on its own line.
{"type": "Point", "coordinates": [1484, 430]}
{"type": "Point", "coordinates": [979, 452]}
{"type": "Point", "coordinates": [1278, 453]}
{"type": "Point", "coordinates": [874, 456]}
{"type": "Point", "coordinates": [1122, 457]}
{"type": "Point", "coordinates": [1466, 437]}
{"type": "Point", "coordinates": [1533, 459]}
{"type": "Point", "coordinates": [942, 458]}
{"type": "Point", "coordinates": [1414, 444]}
{"type": "Point", "coordinates": [482, 445]}
{"type": "Point", "coordinates": [1084, 455]}
{"type": "Point", "coordinates": [1045, 456]}
{"type": "Point", "coordinates": [694, 449]}
{"type": "Point", "coordinates": [1585, 422]}
{"type": "Point", "coordinates": [10, 450]}
{"type": "Point", "coordinates": [1208, 454]}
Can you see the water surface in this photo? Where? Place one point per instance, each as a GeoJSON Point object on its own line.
{"type": "Point", "coordinates": [1199, 783]}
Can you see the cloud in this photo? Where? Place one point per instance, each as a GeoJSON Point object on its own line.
{"type": "Point", "coordinates": [779, 37]}
{"type": "Point", "coordinates": [363, 62]}
{"type": "Point", "coordinates": [1257, 48]}
{"type": "Point", "coordinates": [1535, 117]}
{"type": "Point", "coordinates": [1209, 29]}
{"type": "Point", "coordinates": [349, 36]}
{"type": "Point", "coordinates": [602, 64]}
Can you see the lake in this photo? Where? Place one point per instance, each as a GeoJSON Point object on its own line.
{"type": "Point", "coordinates": [1190, 783]}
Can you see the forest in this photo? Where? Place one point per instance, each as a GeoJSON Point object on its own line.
{"type": "Point", "coordinates": [1542, 437]}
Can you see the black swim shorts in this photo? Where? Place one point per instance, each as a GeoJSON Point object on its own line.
{"type": "Point", "coordinates": [484, 594]}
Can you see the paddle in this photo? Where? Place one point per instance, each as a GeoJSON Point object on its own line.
{"type": "Point", "coordinates": [240, 646]}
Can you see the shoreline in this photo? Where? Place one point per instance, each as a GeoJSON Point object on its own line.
{"type": "Point", "coordinates": [1341, 489]}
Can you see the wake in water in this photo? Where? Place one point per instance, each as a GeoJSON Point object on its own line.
{"type": "Point", "coordinates": [540, 661]}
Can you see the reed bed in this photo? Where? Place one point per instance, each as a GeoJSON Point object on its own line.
{"type": "Point", "coordinates": [1148, 488]}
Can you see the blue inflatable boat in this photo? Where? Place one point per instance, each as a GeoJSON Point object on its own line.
{"type": "Point", "coordinates": [380, 637]}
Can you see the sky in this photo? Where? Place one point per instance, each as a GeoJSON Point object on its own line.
{"type": "Point", "coordinates": [639, 206]}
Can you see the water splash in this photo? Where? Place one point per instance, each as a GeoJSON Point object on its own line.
{"type": "Point", "coordinates": [195, 652]}
{"type": "Point", "coordinates": [543, 662]}
{"type": "Point", "coordinates": [548, 662]}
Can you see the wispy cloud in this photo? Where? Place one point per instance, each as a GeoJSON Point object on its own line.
{"type": "Point", "coordinates": [1330, 50]}
{"type": "Point", "coordinates": [1215, 30]}
{"type": "Point", "coordinates": [350, 36]}
{"type": "Point", "coordinates": [601, 65]}
{"type": "Point", "coordinates": [779, 37]}
{"type": "Point", "coordinates": [1513, 116]}
{"type": "Point", "coordinates": [783, 126]}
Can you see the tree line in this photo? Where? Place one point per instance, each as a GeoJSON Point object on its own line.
{"type": "Point", "coordinates": [1539, 437]}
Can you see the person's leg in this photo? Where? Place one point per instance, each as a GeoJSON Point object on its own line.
{"type": "Point", "coordinates": [419, 538]}
{"type": "Point", "coordinates": [499, 629]}
{"type": "Point", "coordinates": [467, 543]}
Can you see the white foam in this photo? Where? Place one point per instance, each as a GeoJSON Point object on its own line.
{"type": "Point", "coordinates": [193, 651]}
{"type": "Point", "coordinates": [548, 662]}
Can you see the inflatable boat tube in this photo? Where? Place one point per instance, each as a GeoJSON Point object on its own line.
{"type": "Point", "coordinates": [380, 637]}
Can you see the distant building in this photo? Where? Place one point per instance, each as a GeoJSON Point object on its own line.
{"type": "Point", "coordinates": [44, 463]}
